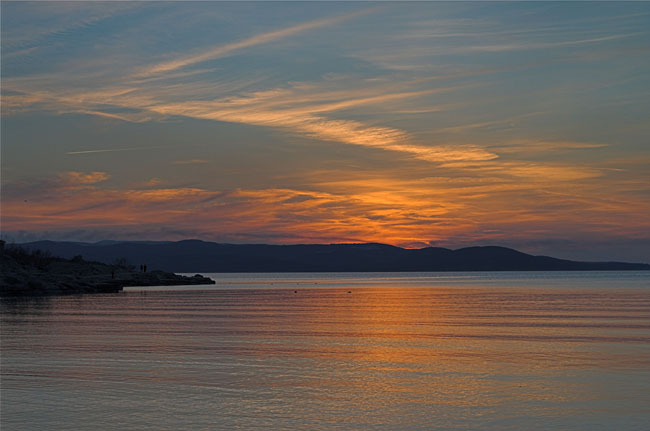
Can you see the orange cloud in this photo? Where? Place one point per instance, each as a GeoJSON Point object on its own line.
{"type": "Point", "coordinates": [380, 209]}
{"type": "Point", "coordinates": [153, 182]}
{"type": "Point", "coordinates": [74, 178]}
{"type": "Point", "coordinates": [300, 108]}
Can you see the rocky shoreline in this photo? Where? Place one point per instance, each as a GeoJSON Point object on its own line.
{"type": "Point", "coordinates": [33, 274]}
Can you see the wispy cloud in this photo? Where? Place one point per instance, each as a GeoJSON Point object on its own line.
{"type": "Point", "coordinates": [152, 182]}
{"type": "Point", "coordinates": [411, 45]}
{"type": "Point", "coordinates": [112, 150]}
{"type": "Point", "coordinates": [190, 162]}
{"type": "Point", "coordinates": [82, 178]}
{"type": "Point", "coordinates": [268, 109]}
{"type": "Point", "coordinates": [259, 39]}
{"type": "Point", "coordinates": [300, 108]}
{"type": "Point", "coordinates": [528, 147]}
{"type": "Point", "coordinates": [527, 46]}
{"type": "Point", "coordinates": [32, 25]}
{"type": "Point", "coordinates": [503, 122]}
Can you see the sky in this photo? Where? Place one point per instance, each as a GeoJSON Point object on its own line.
{"type": "Point", "coordinates": [521, 124]}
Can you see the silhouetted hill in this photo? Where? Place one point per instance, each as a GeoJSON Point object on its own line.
{"type": "Point", "coordinates": [201, 256]}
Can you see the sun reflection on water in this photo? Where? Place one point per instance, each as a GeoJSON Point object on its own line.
{"type": "Point", "coordinates": [392, 356]}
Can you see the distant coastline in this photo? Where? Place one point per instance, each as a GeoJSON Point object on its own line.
{"type": "Point", "coordinates": [195, 256]}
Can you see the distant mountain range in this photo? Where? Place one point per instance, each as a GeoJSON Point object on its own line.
{"type": "Point", "coordinates": [202, 256]}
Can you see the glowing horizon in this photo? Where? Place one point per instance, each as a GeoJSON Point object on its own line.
{"type": "Point", "coordinates": [447, 124]}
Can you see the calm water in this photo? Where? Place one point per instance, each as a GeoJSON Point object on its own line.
{"type": "Point", "coordinates": [484, 351]}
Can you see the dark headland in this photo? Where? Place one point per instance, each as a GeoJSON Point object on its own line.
{"type": "Point", "coordinates": [191, 256]}
{"type": "Point", "coordinates": [35, 272]}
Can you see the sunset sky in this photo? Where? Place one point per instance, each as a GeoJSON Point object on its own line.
{"type": "Point", "coordinates": [448, 124]}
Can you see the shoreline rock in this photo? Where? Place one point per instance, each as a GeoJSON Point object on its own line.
{"type": "Point", "coordinates": [38, 274]}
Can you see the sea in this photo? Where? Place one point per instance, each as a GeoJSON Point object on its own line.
{"type": "Point", "coordinates": [335, 351]}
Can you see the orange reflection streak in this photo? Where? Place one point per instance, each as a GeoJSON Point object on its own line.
{"type": "Point", "coordinates": [392, 339]}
